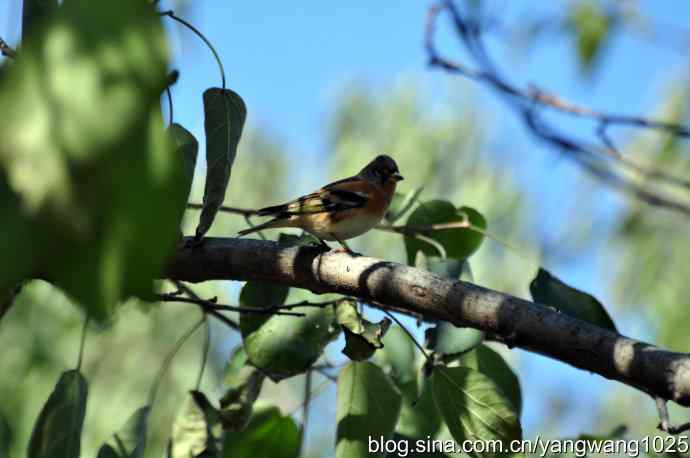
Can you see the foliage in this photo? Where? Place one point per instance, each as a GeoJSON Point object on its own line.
{"type": "Point", "coordinates": [113, 187]}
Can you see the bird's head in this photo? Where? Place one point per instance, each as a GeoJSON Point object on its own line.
{"type": "Point", "coordinates": [382, 169]}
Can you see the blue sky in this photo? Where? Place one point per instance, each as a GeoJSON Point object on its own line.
{"type": "Point", "coordinates": [289, 60]}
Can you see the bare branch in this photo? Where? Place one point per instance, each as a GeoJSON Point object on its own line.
{"type": "Point", "coordinates": [226, 209]}
{"type": "Point", "coordinates": [387, 285]}
{"type": "Point", "coordinates": [601, 160]}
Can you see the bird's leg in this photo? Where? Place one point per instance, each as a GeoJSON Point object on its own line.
{"type": "Point", "coordinates": [345, 248]}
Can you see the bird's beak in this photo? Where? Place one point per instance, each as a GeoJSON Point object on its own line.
{"type": "Point", "coordinates": [397, 177]}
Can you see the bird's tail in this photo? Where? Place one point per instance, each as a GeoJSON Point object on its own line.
{"type": "Point", "coordinates": [277, 222]}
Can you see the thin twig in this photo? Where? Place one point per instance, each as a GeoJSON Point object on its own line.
{"type": "Point", "coordinates": [225, 209]}
{"type": "Point", "coordinates": [305, 408]}
{"type": "Point", "coordinates": [171, 15]}
{"type": "Point", "coordinates": [204, 351]}
{"type": "Point", "coordinates": [208, 305]}
{"type": "Point", "coordinates": [82, 342]}
{"type": "Point", "coordinates": [6, 50]}
{"type": "Point", "coordinates": [168, 359]}
{"type": "Point", "coordinates": [665, 424]}
{"type": "Point", "coordinates": [182, 288]}
{"type": "Point", "coordinates": [597, 160]}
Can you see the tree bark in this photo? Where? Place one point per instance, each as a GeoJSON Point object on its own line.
{"type": "Point", "coordinates": [513, 321]}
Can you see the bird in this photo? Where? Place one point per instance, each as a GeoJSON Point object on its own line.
{"type": "Point", "coordinates": [340, 210]}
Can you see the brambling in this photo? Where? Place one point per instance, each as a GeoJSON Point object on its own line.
{"type": "Point", "coordinates": [341, 210]}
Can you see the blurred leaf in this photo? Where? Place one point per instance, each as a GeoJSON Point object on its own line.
{"type": "Point", "coordinates": [591, 26]}
{"type": "Point", "coordinates": [491, 364]}
{"type": "Point", "coordinates": [398, 354]}
{"type": "Point", "coordinates": [35, 13]}
{"type": "Point", "coordinates": [269, 434]}
{"type": "Point", "coordinates": [549, 290]}
{"type": "Point", "coordinates": [224, 116]}
{"type": "Point", "coordinates": [401, 204]}
{"type": "Point", "coordinates": [57, 431]}
{"type": "Point", "coordinates": [130, 441]}
{"type": "Point", "coordinates": [6, 437]}
{"type": "Point", "coordinates": [243, 383]}
{"type": "Point", "coordinates": [450, 342]}
{"type": "Point", "coordinates": [196, 430]}
{"type": "Point", "coordinates": [458, 243]}
{"type": "Point", "coordinates": [187, 148]}
{"type": "Point", "coordinates": [282, 346]}
{"type": "Point", "coordinates": [368, 407]}
{"type": "Point", "coordinates": [362, 337]}
{"type": "Point", "coordinates": [473, 407]}
{"type": "Point", "coordinates": [448, 267]}
{"type": "Point", "coordinates": [85, 164]}
{"type": "Point", "coordinates": [616, 433]}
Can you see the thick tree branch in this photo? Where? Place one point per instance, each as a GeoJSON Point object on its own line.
{"type": "Point", "coordinates": [514, 321]}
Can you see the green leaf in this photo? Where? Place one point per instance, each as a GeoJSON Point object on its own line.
{"type": "Point", "coordinates": [368, 407]}
{"type": "Point", "coordinates": [57, 432]}
{"type": "Point", "coordinates": [196, 430]}
{"type": "Point", "coordinates": [488, 362]}
{"type": "Point", "coordinates": [458, 243]}
{"type": "Point", "coordinates": [549, 290]}
{"type": "Point", "coordinates": [6, 437]}
{"type": "Point", "coordinates": [401, 204]}
{"type": "Point", "coordinates": [450, 342]}
{"type": "Point", "coordinates": [187, 147]}
{"type": "Point", "coordinates": [474, 407]}
{"type": "Point", "coordinates": [591, 26]}
{"type": "Point", "coordinates": [419, 417]}
{"type": "Point", "coordinates": [268, 435]}
{"type": "Point", "coordinates": [362, 337]}
{"type": "Point", "coordinates": [224, 116]}
{"type": "Point", "coordinates": [282, 346]}
{"type": "Point", "coordinates": [89, 171]}
{"type": "Point", "coordinates": [243, 383]}
{"type": "Point", "coordinates": [130, 441]}
{"type": "Point", "coordinates": [398, 356]}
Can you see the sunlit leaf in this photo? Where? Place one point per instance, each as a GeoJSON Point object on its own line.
{"type": "Point", "coordinates": [224, 116]}
{"type": "Point", "coordinates": [474, 407]}
{"type": "Point", "coordinates": [491, 364]}
{"type": "Point", "coordinates": [243, 383]}
{"type": "Point", "coordinates": [444, 267]}
{"type": "Point", "coordinates": [368, 406]}
{"type": "Point", "coordinates": [362, 337]}
{"type": "Point", "coordinates": [85, 165]}
{"type": "Point", "coordinates": [130, 441]}
{"type": "Point", "coordinates": [283, 346]}
{"type": "Point", "coordinates": [549, 290]}
{"type": "Point", "coordinates": [269, 434]}
{"type": "Point", "coordinates": [196, 430]}
{"type": "Point", "coordinates": [57, 431]}
{"type": "Point", "coordinates": [458, 243]}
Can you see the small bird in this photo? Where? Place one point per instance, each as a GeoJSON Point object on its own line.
{"type": "Point", "coordinates": [341, 210]}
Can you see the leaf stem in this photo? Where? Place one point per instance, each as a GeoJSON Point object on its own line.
{"type": "Point", "coordinates": [171, 15]}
